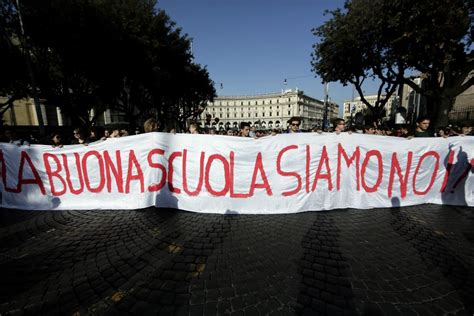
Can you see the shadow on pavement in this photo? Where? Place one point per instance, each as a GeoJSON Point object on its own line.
{"type": "Point", "coordinates": [326, 288]}
{"type": "Point", "coordinates": [434, 250]}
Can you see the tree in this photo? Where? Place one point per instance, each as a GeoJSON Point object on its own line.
{"type": "Point", "coordinates": [13, 79]}
{"type": "Point", "coordinates": [180, 88]}
{"type": "Point", "coordinates": [189, 95]}
{"type": "Point", "coordinates": [391, 40]}
{"type": "Point", "coordinates": [105, 54]}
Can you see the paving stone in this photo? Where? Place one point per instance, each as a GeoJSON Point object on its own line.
{"type": "Point", "coordinates": [227, 292]}
{"type": "Point", "coordinates": [224, 306]}
{"type": "Point", "coordinates": [237, 303]}
{"type": "Point", "coordinates": [173, 262]}
{"type": "Point", "coordinates": [210, 309]}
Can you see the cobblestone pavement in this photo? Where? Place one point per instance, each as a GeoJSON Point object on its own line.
{"type": "Point", "coordinates": [401, 261]}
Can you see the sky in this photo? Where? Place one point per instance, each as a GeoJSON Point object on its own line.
{"type": "Point", "coordinates": [250, 47]}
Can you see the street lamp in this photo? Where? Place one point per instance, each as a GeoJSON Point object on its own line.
{"type": "Point", "coordinates": [326, 105]}
{"type": "Point", "coordinates": [352, 112]}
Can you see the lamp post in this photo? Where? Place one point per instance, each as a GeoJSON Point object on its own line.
{"type": "Point", "coordinates": [326, 105]}
{"type": "Point", "coordinates": [353, 107]}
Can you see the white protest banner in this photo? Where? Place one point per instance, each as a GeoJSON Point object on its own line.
{"type": "Point", "coordinates": [286, 173]}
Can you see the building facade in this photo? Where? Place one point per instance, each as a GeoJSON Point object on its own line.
{"type": "Point", "coordinates": [351, 107]}
{"type": "Point", "coordinates": [415, 105]}
{"type": "Point", "coordinates": [413, 102]}
{"type": "Point", "coordinates": [463, 109]}
{"type": "Point", "coordinates": [266, 111]}
{"type": "Point", "coordinates": [23, 113]}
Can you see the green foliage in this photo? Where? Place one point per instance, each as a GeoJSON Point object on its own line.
{"type": "Point", "coordinates": [13, 79]}
{"type": "Point", "coordinates": [109, 54]}
{"type": "Point", "coordinates": [387, 40]}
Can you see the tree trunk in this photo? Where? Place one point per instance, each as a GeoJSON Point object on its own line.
{"type": "Point", "coordinates": [377, 113]}
{"type": "Point", "coordinates": [441, 109]}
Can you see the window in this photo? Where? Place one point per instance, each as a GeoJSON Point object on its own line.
{"type": "Point", "coordinates": [289, 112]}
{"type": "Point", "coordinates": [278, 113]}
{"type": "Point", "coordinates": [263, 114]}
{"type": "Point", "coordinates": [270, 113]}
{"type": "Point", "coordinates": [241, 114]}
{"type": "Point", "coordinates": [270, 103]}
{"type": "Point", "coordinates": [249, 114]}
{"type": "Point", "coordinates": [227, 115]}
{"type": "Point", "coordinates": [220, 115]}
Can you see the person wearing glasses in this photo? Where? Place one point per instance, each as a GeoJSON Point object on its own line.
{"type": "Point", "coordinates": [80, 137]}
{"type": "Point", "coordinates": [294, 124]}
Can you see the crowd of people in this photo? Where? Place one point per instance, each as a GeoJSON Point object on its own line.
{"type": "Point", "coordinates": [86, 136]}
{"type": "Point", "coordinates": [422, 129]}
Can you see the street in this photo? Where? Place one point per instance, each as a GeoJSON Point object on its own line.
{"type": "Point", "coordinates": [402, 261]}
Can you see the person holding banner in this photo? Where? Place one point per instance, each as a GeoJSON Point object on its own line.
{"type": "Point", "coordinates": [294, 123]}
{"type": "Point", "coordinates": [194, 128]}
{"type": "Point", "coordinates": [369, 130]}
{"type": "Point", "coordinates": [80, 137]}
{"type": "Point", "coordinates": [12, 138]}
{"type": "Point", "coordinates": [245, 129]}
{"type": "Point", "coordinates": [151, 125]}
{"type": "Point", "coordinates": [422, 127]}
{"type": "Point", "coordinates": [56, 140]}
{"type": "Point", "coordinates": [466, 129]}
{"type": "Point", "coordinates": [339, 125]}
